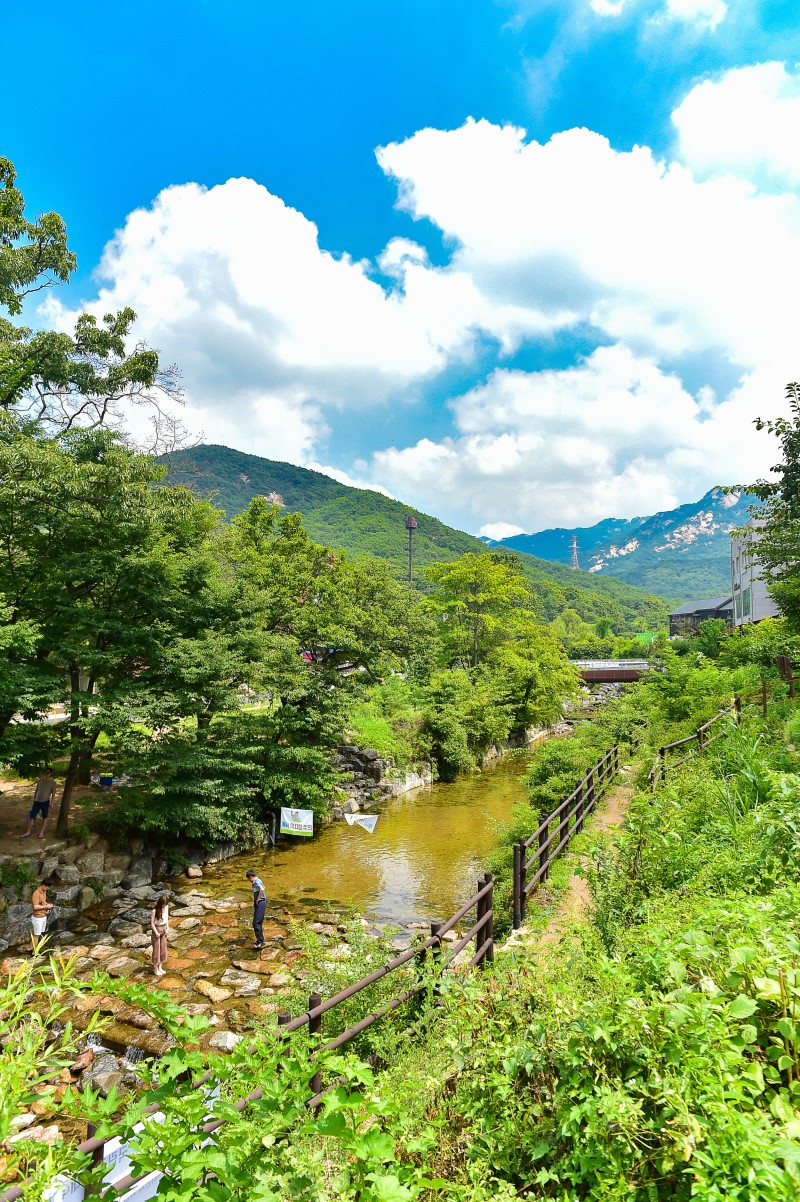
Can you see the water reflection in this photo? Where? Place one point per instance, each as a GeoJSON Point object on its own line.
{"type": "Point", "coordinates": [422, 861]}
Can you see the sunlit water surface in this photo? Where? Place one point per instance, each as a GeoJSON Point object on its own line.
{"type": "Point", "coordinates": [422, 861]}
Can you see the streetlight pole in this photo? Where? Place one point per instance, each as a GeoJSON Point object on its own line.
{"type": "Point", "coordinates": [411, 525]}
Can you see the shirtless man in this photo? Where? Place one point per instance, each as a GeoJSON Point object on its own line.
{"type": "Point", "coordinates": [41, 908]}
{"type": "Point", "coordinates": [43, 794]}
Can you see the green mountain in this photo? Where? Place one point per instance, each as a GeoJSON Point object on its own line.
{"type": "Point", "coordinates": [680, 554]}
{"type": "Point", "coordinates": [361, 522]}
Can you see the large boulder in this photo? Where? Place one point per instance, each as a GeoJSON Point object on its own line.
{"type": "Point", "coordinates": [214, 993]}
{"type": "Point", "coordinates": [91, 863]}
{"type": "Point", "coordinates": [66, 874]}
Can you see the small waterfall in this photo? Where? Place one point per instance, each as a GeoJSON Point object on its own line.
{"type": "Point", "coordinates": [133, 1055]}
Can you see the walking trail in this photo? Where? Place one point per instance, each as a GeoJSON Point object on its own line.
{"type": "Point", "coordinates": [577, 901]}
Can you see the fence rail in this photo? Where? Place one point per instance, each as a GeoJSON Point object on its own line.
{"type": "Point", "coordinates": [700, 738]}
{"type": "Point", "coordinates": [559, 826]}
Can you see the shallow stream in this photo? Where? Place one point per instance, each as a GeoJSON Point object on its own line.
{"type": "Point", "coordinates": [421, 863]}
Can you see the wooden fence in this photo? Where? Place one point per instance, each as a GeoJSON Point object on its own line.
{"type": "Point", "coordinates": [700, 740]}
{"type": "Point", "coordinates": [558, 828]}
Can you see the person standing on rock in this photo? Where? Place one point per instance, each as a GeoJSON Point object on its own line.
{"type": "Point", "coordinates": [159, 929]}
{"type": "Point", "coordinates": [41, 907]}
{"type": "Point", "coordinates": [43, 794]}
{"type": "Point", "coordinates": [259, 908]}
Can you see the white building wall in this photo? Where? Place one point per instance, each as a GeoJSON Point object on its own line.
{"type": "Point", "coordinates": [751, 602]}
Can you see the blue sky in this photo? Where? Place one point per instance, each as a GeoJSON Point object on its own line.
{"type": "Point", "coordinates": [510, 330]}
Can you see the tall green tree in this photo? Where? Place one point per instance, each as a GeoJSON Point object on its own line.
{"type": "Point", "coordinates": [477, 600]}
{"type": "Point", "coordinates": [88, 378]}
{"type": "Point", "coordinates": [103, 569]}
{"type": "Point", "coordinates": [777, 547]}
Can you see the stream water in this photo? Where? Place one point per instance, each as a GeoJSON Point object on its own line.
{"type": "Point", "coordinates": [421, 863]}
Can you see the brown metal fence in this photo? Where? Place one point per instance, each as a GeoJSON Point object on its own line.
{"type": "Point", "coordinates": [700, 740]}
{"type": "Point", "coordinates": [558, 828]}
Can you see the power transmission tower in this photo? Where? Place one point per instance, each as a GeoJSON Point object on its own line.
{"type": "Point", "coordinates": [411, 525]}
{"type": "Point", "coordinates": [575, 563]}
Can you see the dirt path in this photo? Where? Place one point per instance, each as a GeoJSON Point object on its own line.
{"type": "Point", "coordinates": [575, 903]}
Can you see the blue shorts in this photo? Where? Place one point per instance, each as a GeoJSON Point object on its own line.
{"type": "Point", "coordinates": [39, 807]}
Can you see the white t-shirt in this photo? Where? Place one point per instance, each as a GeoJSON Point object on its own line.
{"type": "Point", "coordinates": [164, 919]}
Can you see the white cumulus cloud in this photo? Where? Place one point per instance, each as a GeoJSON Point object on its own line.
{"type": "Point", "coordinates": [746, 122]}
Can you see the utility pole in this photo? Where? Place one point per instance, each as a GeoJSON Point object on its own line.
{"type": "Point", "coordinates": [411, 525]}
{"type": "Point", "coordinates": [575, 563]}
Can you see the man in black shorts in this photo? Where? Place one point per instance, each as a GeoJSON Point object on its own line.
{"type": "Point", "coordinates": [43, 794]}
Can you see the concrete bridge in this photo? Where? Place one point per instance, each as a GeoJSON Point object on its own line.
{"type": "Point", "coordinates": [596, 671]}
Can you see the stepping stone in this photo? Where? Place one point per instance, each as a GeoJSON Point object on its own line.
{"type": "Point", "coordinates": [214, 993]}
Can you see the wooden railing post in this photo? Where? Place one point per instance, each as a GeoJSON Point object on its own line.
{"type": "Point", "coordinates": [563, 825]}
{"type": "Point", "coordinates": [314, 1028]}
{"type": "Point", "coordinates": [519, 882]}
{"type": "Point", "coordinates": [544, 856]}
{"type": "Point", "coordinates": [590, 798]}
{"type": "Point", "coordinates": [436, 953]}
{"type": "Point", "coordinates": [737, 707]}
{"type": "Point", "coordinates": [489, 953]}
{"type": "Point", "coordinates": [701, 739]}
{"type": "Point", "coordinates": [481, 910]}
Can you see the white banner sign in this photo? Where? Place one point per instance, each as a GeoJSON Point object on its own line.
{"type": "Point", "coordinates": [297, 822]}
{"type": "Point", "coordinates": [368, 821]}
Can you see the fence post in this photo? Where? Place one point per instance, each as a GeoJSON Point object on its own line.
{"type": "Point", "coordinates": [563, 826]}
{"type": "Point", "coordinates": [436, 952]}
{"type": "Point", "coordinates": [97, 1158]}
{"type": "Point", "coordinates": [737, 707]}
{"type": "Point", "coordinates": [590, 798]}
{"type": "Point", "coordinates": [481, 910]}
{"type": "Point", "coordinates": [662, 755]}
{"type": "Point", "coordinates": [701, 739]}
{"type": "Point", "coordinates": [764, 697]}
{"type": "Point", "coordinates": [314, 1028]}
{"type": "Point", "coordinates": [519, 882]}
{"type": "Point", "coordinates": [489, 928]}
{"type": "Point", "coordinates": [544, 856]}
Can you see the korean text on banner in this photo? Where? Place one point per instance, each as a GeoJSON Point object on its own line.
{"type": "Point", "coordinates": [297, 822]}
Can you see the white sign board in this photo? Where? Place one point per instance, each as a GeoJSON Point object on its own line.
{"type": "Point", "coordinates": [297, 822]}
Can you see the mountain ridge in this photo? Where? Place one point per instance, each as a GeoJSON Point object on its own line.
{"type": "Point", "coordinates": [363, 522]}
{"type": "Point", "coordinates": [678, 554]}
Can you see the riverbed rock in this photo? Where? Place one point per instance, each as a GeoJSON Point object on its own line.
{"type": "Point", "coordinates": [123, 926]}
{"type": "Point", "coordinates": [224, 1041]}
{"type": "Point", "coordinates": [350, 806]}
{"type": "Point", "coordinates": [43, 1135]}
{"type": "Point", "coordinates": [244, 984]}
{"type": "Point", "coordinates": [328, 918]}
{"type": "Point", "coordinates": [280, 980]}
{"type": "Point", "coordinates": [187, 924]}
{"type": "Point", "coordinates": [188, 912]}
{"type": "Point", "coordinates": [141, 916]}
{"type": "Point", "coordinates": [215, 993]}
{"type": "Point", "coordinates": [138, 941]}
{"type": "Point", "coordinates": [261, 967]}
{"type": "Point", "coordinates": [101, 937]}
{"type": "Point", "coordinates": [122, 967]}
{"type": "Point", "coordinates": [322, 928]}
{"type": "Point", "coordinates": [194, 872]}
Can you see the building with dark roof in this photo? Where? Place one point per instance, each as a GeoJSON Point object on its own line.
{"type": "Point", "coordinates": [686, 619]}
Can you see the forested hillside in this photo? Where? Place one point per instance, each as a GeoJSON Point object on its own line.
{"type": "Point", "coordinates": [361, 523]}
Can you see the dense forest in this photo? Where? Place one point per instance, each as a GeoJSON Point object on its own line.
{"type": "Point", "coordinates": [360, 522]}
